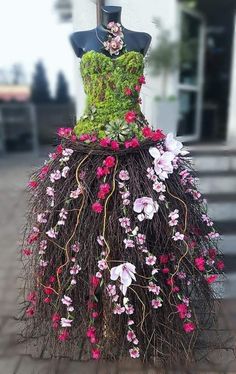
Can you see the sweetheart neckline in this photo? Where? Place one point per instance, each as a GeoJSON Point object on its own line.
{"type": "Point", "coordinates": [117, 58]}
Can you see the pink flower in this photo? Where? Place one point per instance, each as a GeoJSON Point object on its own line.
{"type": "Point", "coordinates": [157, 135]}
{"type": "Point", "coordinates": [154, 288]}
{"type": "Point", "coordinates": [142, 79]}
{"type": "Point", "coordinates": [182, 310]}
{"type": "Point", "coordinates": [91, 332]}
{"type": "Point", "coordinates": [147, 132]}
{"type": "Point", "coordinates": [65, 171]}
{"type": "Point", "coordinates": [115, 145]}
{"type": "Point", "coordinates": [32, 297]}
{"type": "Point", "coordinates": [111, 290]}
{"type": "Point", "coordinates": [189, 327]}
{"type": "Point", "coordinates": [109, 161]}
{"type": "Point", "coordinates": [43, 172]}
{"type": "Point", "coordinates": [105, 188]}
{"type": "Point", "coordinates": [134, 352]}
{"type": "Point", "coordinates": [97, 207]}
{"type": "Point", "coordinates": [30, 311]}
{"type": "Point", "coordinates": [130, 117]}
{"type": "Point", "coordinates": [200, 263]}
{"type": "Point", "coordinates": [128, 91]}
{"type": "Point", "coordinates": [76, 193]}
{"type": "Point", "coordinates": [32, 184]}
{"type": "Point", "coordinates": [126, 272]}
{"type": "Point", "coordinates": [178, 236]}
{"type": "Point", "coordinates": [66, 300]}
{"type": "Point", "coordinates": [212, 278]}
{"type": "Point", "coordinates": [55, 176]}
{"type": "Point", "coordinates": [75, 247]}
{"type": "Point", "coordinates": [27, 252]}
{"type": "Point", "coordinates": [118, 309]}
{"type": "Point", "coordinates": [133, 143]}
{"type": "Point", "coordinates": [151, 260]}
{"type": "Point", "coordinates": [63, 336]}
{"type": "Point", "coordinates": [105, 142]}
{"type": "Point", "coordinates": [141, 239]}
{"type": "Point", "coordinates": [156, 303]}
{"type": "Point", "coordinates": [173, 145]}
{"type": "Point", "coordinates": [130, 336]}
{"type": "Point", "coordinates": [94, 281]}
{"type": "Point", "coordinates": [162, 162]}
{"type": "Point", "coordinates": [52, 233]}
{"type": "Point", "coordinates": [164, 259]}
{"type": "Point", "coordinates": [102, 264]}
{"type": "Point", "coordinates": [96, 354]}
{"type": "Point", "coordinates": [137, 88]}
{"type": "Point", "coordinates": [50, 191]}
{"type": "Point", "coordinates": [124, 175]}
{"type": "Point", "coordinates": [64, 131]}
{"type": "Point", "coordinates": [124, 222]}
{"type": "Point", "coordinates": [220, 265]}
{"type": "Point", "coordinates": [33, 237]}
{"type": "Point", "coordinates": [129, 310]}
{"type": "Point", "coordinates": [129, 243]}
{"type": "Point", "coordinates": [75, 269]}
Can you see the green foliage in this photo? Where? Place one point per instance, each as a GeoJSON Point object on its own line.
{"type": "Point", "coordinates": [105, 80]}
{"type": "Point", "coordinates": [62, 93]}
{"type": "Point", "coordinates": [40, 88]}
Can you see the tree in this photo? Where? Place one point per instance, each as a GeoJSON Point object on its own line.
{"type": "Point", "coordinates": [62, 92]}
{"type": "Point", "coordinates": [40, 87]}
{"type": "Point", "coordinates": [18, 75]}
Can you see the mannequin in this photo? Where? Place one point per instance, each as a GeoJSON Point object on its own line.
{"type": "Point", "coordinates": [84, 41]}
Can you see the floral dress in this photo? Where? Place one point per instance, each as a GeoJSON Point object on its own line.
{"type": "Point", "coordinates": [120, 254]}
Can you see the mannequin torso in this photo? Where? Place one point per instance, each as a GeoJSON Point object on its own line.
{"type": "Point", "coordinates": [84, 41]}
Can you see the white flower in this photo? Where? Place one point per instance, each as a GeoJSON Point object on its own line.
{"type": "Point", "coordinates": [52, 233]}
{"type": "Point", "coordinates": [66, 300]}
{"type": "Point", "coordinates": [75, 194]}
{"type": "Point", "coordinates": [65, 171]}
{"type": "Point", "coordinates": [173, 145]}
{"type": "Point", "coordinates": [41, 218]}
{"type": "Point", "coordinates": [162, 162]}
{"type": "Point", "coordinates": [126, 272]}
{"type": "Point", "coordinates": [146, 205]}
{"type": "Point", "coordinates": [129, 243]}
{"type": "Point", "coordinates": [74, 270]}
{"type": "Point", "coordinates": [43, 263]}
{"type": "Point", "coordinates": [50, 191]}
{"type": "Point", "coordinates": [178, 236]}
{"type": "Point", "coordinates": [67, 152]}
{"type": "Point", "coordinates": [100, 240]}
{"type": "Point", "coordinates": [66, 322]}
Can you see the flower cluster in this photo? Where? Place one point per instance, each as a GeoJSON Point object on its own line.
{"type": "Point", "coordinates": [104, 188]}
{"type": "Point", "coordinates": [115, 42]}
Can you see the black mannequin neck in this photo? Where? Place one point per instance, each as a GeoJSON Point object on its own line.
{"type": "Point", "coordinates": [110, 14]}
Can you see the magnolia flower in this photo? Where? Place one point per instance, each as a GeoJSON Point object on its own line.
{"type": "Point", "coordinates": [126, 272]}
{"type": "Point", "coordinates": [146, 205]}
{"type": "Point", "coordinates": [66, 322]}
{"type": "Point", "coordinates": [173, 145]}
{"type": "Point", "coordinates": [162, 162]}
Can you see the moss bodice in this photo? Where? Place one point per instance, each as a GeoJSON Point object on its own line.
{"type": "Point", "coordinates": [106, 81]}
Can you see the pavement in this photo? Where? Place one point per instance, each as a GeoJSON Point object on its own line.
{"type": "Point", "coordinates": [14, 357]}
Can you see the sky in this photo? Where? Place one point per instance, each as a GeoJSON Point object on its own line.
{"type": "Point", "coordinates": [30, 31]}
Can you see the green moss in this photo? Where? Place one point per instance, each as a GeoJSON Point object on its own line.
{"type": "Point", "coordinates": [105, 80]}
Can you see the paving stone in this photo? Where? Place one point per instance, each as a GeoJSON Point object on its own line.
{"type": "Point", "coordinates": [32, 366]}
{"type": "Point", "coordinates": [9, 365]}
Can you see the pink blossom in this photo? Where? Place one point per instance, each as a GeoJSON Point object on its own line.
{"type": "Point", "coordinates": [65, 171]}
{"type": "Point", "coordinates": [115, 145]}
{"type": "Point", "coordinates": [130, 117]}
{"type": "Point", "coordinates": [162, 162]}
{"type": "Point", "coordinates": [159, 187]}
{"type": "Point", "coordinates": [56, 175]}
{"type": "Point", "coordinates": [111, 290]}
{"type": "Point", "coordinates": [32, 297]}
{"type": "Point", "coordinates": [97, 207]}
{"type": "Point", "coordinates": [63, 336]}
{"type": "Point", "coordinates": [129, 310]}
{"type": "Point", "coordinates": [67, 152]}
{"type": "Point", "coordinates": [50, 191]}
{"type": "Point", "coordinates": [27, 252]}
{"type": "Point", "coordinates": [200, 263]}
{"type": "Point", "coordinates": [118, 309]}
{"type": "Point", "coordinates": [43, 263]}
{"type": "Point", "coordinates": [102, 264]}
{"type": "Point", "coordinates": [134, 352]}
{"type": "Point", "coordinates": [129, 243]}
{"type": "Point", "coordinates": [156, 303]}
{"type": "Point", "coordinates": [96, 353]}
{"type": "Point", "coordinates": [151, 260]}
{"type": "Point", "coordinates": [130, 322]}
{"type": "Point", "coordinates": [76, 193]}
{"type": "Point", "coordinates": [109, 161]}
{"type": "Point", "coordinates": [126, 272]}
{"type": "Point", "coordinates": [30, 311]}
{"type": "Point", "coordinates": [141, 239]}
{"type": "Point", "coordinates": [52, 233]}
{"type": "Point", "coordinates": [130, 336]}
{"type": "Point", "coordinates": [124, 175]}
{"type": "Point", "coordinates": [75, 247]}
{"type": "Point", "coordinates": [124, 222]}
{"type": "Point", "coordinates": [74, 270]}
{"type": "Point", "coordinates": [182, 310]}
{"type": "Point", "coordinates": [211, 278]}
{"type": "Point", "coordinates": [173, 145]}
{"type": "Point", "coordinates": [154, 288]}
{"type": "Point", "coordinates": [189, 327]}
{"type": "Point", "coordinates": [33, 184]}
{"type": "Point", "coordinates": [178, 236]}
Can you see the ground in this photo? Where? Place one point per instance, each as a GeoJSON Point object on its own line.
{"type": "Point", "coordinates": [14, 172]}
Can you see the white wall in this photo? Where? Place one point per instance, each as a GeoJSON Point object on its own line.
{"type": "Point", "coordinates": [231, 135]}
{"type": "Point", "coordinates": [136, 15]}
